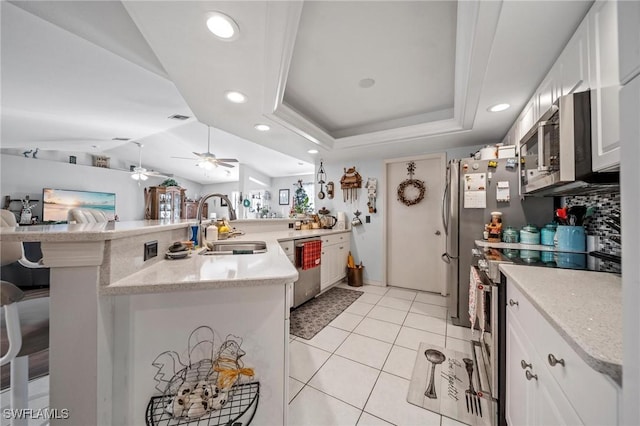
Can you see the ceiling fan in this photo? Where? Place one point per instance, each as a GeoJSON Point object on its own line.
{"type": "Point", "coordinates": [140, 173]}
{"type": "Point", "coordinates": [208, 160]}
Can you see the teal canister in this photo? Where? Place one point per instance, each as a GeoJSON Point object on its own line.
{"type": "Point", "coordinates": [547, 234]}
{"type": "Point", "coordinates": [510, 235]}
{"type": "Point", "coordinates": [529, 234]}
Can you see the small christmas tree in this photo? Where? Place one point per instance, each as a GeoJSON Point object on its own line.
{"type": "Point", "coordinates": [301, 199]}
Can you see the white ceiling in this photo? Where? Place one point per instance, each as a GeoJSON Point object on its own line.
{"type": "Point", "coordinates": [100, 72]}
{"type": "Point", "coordinates": [330, 59]}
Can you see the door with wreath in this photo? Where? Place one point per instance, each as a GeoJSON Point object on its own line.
{"type": "Point", "coordinates": [415, 237]}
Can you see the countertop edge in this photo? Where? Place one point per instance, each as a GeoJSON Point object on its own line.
{"type": "Point", "coordinates": [172, 287]}
{"type": "Point", "coordinates": [609, 368]}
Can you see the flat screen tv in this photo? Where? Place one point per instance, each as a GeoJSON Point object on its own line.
{"type": "Point", "coordinates": [57, 203]}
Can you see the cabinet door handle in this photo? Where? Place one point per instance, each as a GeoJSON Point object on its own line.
{"type": "Point", "coordinates": [513, 302]}
{"type": "Point", "coordinates": [553, 360]}
{"type": "Point", "coordinates": [341, 248]}
{"type": "Point", "coordinates": [524, 365]}
{"type": "Point", "coordinates": [530, 375]}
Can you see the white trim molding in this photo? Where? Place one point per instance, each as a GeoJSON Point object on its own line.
{"type": "Point", "coordinates": [475, 32]}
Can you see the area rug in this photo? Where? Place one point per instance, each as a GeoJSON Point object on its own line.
{"type": "Point", "coordinates": [441, 383]}
{"type": "Point", "coordinates": [311, 317]}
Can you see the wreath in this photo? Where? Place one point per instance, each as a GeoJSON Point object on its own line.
{"type": "Point", "coordinates": [415, 183]}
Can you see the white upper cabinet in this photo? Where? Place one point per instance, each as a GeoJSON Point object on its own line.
{"type": "Point", "coordinates": [605, 86]}
{"type": "Point", "coordinates": [573, 64]}
{"type": "Point", "coordinates": [629, 39]}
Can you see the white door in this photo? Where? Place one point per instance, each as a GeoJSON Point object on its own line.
{"type": "Point", "coordinates": [414, 235]}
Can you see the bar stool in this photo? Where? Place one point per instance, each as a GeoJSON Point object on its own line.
{"type": "Point", "coordinates": [25, 328]}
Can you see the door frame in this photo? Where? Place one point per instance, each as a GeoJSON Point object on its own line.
{"type": "Point", "coordinates": [387, 200]}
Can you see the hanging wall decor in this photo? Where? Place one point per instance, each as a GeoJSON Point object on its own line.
{"type": "Point", "coordinates": [415, 185]}
{"type": "Point", "coordinates": [350, 183]}
{"type": "Point", "coordinates": [321, 180]}
{"type": "Point", "coordinates": [372, 189]}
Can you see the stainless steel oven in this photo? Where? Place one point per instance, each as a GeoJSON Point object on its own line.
{"type": "Point", "coordinates": [485, 347]}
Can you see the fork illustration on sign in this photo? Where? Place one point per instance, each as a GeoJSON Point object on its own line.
{"type": "Point", "coordinates": [474, 402]}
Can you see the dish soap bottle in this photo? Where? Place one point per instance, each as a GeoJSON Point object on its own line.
{"type": "Point", "coordinates": [211, 233]}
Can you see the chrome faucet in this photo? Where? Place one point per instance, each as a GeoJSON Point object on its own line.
{"type": "Point", "coordinates": [232, 213]}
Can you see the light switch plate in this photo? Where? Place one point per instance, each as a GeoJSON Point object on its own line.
{"type": "Point", "coordinates": [150, 249]}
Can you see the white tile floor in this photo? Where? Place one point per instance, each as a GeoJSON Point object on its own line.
{"type": "Point", "coordinates": [38, 399]}
{"type": "Point", "coordinates": [356, 371]}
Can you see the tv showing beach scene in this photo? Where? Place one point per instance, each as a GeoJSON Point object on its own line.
{"type": "Point", "coordinates": [58, 202]}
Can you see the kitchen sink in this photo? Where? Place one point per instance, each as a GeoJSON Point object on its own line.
{"type": "Point", "coordinates": [235, 247]}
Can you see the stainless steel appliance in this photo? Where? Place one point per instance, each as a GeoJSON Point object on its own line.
{"type": "Point", "coordinates": [465, 225]}
{"type": "Point", "coordinates": [555, 155]}
{"type": "Point", "coordinates": [308, 284]}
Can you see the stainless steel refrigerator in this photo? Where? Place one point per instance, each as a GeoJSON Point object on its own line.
{"type": "Point", "coordinates": [464, 223]}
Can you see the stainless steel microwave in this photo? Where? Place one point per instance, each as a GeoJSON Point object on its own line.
{"type": "Point", "coordinates": [555, 155]}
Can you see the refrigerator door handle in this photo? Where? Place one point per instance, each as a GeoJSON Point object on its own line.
{"type": "Point", "coordinates": [445, 222]}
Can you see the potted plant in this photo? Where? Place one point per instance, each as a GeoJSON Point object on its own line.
{"type": "Point", "coordinates": [170, 182]}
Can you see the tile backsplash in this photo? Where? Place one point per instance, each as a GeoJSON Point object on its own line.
{"type": "Point", "coordinates": [605, 205]}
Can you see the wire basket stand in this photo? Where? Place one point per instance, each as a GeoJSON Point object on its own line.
{"type": "Point", "coordinates": [207, 391]}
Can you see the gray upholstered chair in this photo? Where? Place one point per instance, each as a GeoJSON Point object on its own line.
{"type": "Point", "coordinates": [24, 325]}
{"type": "Point", "coordinates": [83, 215]}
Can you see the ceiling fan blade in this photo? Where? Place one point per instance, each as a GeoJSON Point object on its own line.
{"type": "Point", "coordinates": [225, 164]}
{"type": "Point", "coordinates": [185, 158]}
{"type": "Point", "coordinates": [227, 160]}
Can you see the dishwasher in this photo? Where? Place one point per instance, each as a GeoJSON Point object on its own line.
{"type": "Point", "coordinates": [308, 284]}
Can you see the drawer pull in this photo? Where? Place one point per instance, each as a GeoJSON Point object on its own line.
{"type": "Point", "coordinates": [553, 360]}
{"type": "Point", "coordinates": [530, 375]}
{"type": "Point", "coordinates": [513, 302]}
{"type": "Point", "coordinates": [524, 365]}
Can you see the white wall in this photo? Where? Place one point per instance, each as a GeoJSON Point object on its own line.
{"type": "Point", "coordinates": [21, 176]}
{"type": "Point", "coordinates": [367, 239]}
{"type": "Point", "coordinates": [227, 189]}
{"type": "Point", "coordinates": [290, 183]}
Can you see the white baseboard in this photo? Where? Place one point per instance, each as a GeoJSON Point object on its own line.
{"type": "Point", "coordinates": [376, 283]}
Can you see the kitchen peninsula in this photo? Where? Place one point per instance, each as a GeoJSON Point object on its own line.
{"type": "Point", "coordinates": [112, 313]}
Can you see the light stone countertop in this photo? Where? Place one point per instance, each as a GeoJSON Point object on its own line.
{"type": "Point", "coordinates": [198, 272]}
{"type": "Point", "coordinates": [585, 308]}
{"type": "Point", "coordinates": [89, 231]}
{"type": "Point", "coordinates": [195, 272]}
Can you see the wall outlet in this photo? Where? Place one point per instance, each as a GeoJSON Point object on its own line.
{"type": "Point", "coordinates": [291, 226]}
{"type": "Point", "coordinates": [150, 249]}
{"type": "Point", "coordinates": [367, 219]}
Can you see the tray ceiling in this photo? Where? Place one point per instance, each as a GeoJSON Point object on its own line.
{"type": "Point", "coordinates": [403, 53]}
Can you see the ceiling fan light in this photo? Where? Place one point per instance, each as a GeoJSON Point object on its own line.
{"type": "Point", "coordinates": [207, 165]}
{"type": "Point", "coordinates": [139, 176]}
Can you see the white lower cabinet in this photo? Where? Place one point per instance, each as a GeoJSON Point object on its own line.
{"type": "Point", "coordinates": [333, 260]}
{"type": "Point", "coordinates": [533, 397]}
{"type": "Point", "coordinates": [547, 382]}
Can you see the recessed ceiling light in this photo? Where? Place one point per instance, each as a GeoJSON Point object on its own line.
{"type": "Point", "coordinates": [222, 26]}
{"type": "Point", "coordinates": [262, 127]}
{"type": "Point", "coordinates": [498, 107]}
{"type": "Point", "coordinates": [365, 83]}
{"type": "Point", "coordinates": [235, 97]}
{"type": "Point", "coordinates": [313, 151]}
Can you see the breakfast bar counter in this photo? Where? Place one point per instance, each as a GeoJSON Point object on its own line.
{"type": "Point", "coordinates": [112, 312]}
